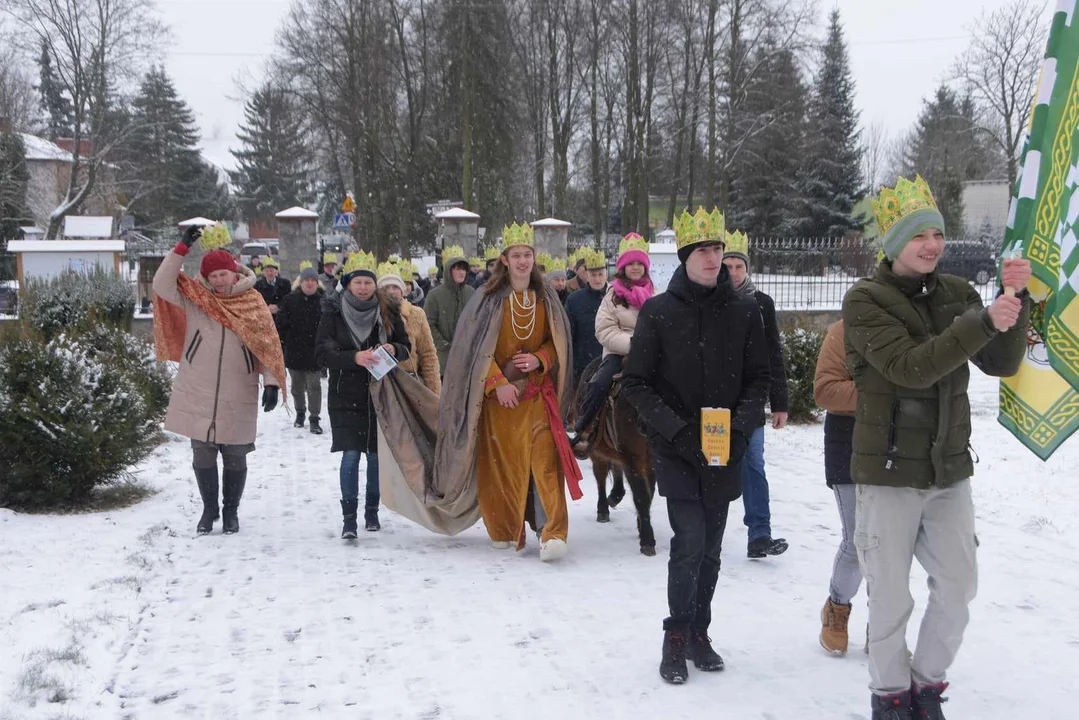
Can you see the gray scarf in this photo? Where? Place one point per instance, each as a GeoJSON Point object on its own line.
{"type": "Point", "coordinates": [747, 287]}
{"type": "Point", "coordinates": [361, 316]}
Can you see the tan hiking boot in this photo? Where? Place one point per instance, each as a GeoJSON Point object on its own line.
{"type": "Point", "coordinates": [833, 634]}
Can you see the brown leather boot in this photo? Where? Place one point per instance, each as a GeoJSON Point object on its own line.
{"type": "Point", "coordinates": [833, 634]}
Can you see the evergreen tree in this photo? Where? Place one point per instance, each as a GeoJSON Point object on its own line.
{"type": "Point", "coordinates": [165, 167]}
{"type": "Point", "coordinates": [273, 170]}
{"type": "Point", "coordinates": [764, 197]}
{"type": "Point", "coordinates": [14, 178]}
{"type": "Point", "coordinates": [55, 104]}
{"type": "Point", "coordinates": [209, 194]}
{"type": "Point", "coordinates": [947, 150]}
{"type": "Point", "coordinates": [831, 177]}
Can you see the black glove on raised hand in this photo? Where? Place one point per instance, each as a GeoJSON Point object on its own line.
{"type": "Point", "coordinates": [738, 447]}
{"type": "Point", "coordinates": [688, 444]}
{"type": "Point", "coordinates": [269, 398]}
{"type": "Point", "coordinates": [192, 235]}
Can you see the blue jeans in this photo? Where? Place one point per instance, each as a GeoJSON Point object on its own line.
{"type": "Point", "coordinates": [350, 478]}
{"type": "Point", "coordinates": [755, 488]}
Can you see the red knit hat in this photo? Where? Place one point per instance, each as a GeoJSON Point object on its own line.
{"type": "Point", "coordinates": [217, 260]}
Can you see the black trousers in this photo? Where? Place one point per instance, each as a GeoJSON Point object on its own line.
{"type": "Point", "coordinates": [598, 388]}
{"type": "Point", "coordinates": [693, 570]}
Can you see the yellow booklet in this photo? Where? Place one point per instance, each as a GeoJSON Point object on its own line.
{"type": "Point", "coordinates": [716, 435]}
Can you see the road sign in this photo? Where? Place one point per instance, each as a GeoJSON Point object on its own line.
{"type": "Point", "coordinates": [344, 221]}
{"type": "Point", "coordinates": [349, 205]}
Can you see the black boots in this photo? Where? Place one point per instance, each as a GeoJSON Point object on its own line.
{"type": "Point", "coordinates": [762, 547]}
{"type": "Point", "coordinates": [207, 482]}
{"type": "Point", "coordinates": [233, 482]}
{"type": "Point", "coordinates": [673, 666]}
{"type": "Point", "coordinates": [892, 707]}
{"type": "Point", "coordinates": [701, 653]}
{"type": "Point", "coordinates": [370, 519]}
{"type": "Point", "coordinates": [316, 429]}
{"type": "Point", "coordinates": [348, 512]}
{"type": "Point", "coordinates": [299, 420]}
{"type": "Point", "coordinates": [925, 703]}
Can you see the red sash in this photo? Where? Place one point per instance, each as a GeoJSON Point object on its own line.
{"type": "Point", "coordinates": [561, 441]}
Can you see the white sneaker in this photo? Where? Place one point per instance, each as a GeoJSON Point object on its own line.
{"type": "Point", "coordinates": [553, 549]}
{"type": "Point", "coordinates": [501, 545]}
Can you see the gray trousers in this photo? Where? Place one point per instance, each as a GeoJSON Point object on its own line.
{"type": "Point", "coordinates": [233, 457]}
{"type": "Point", "coordinates": [894, 526]}
{"type": "Point", "coordinates": [846, 572]}
{"type": "Point", "coordinates": [306, 391]}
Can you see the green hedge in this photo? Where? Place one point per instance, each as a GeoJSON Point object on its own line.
{"type": "Point", "coordinates": [800, 350]}
{"type": "Point", "coordinates": [54, 305]}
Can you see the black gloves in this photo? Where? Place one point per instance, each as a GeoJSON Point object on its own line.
{"type": "Point", "coordinates": [688, 444]}
{"type": "Point", "coordinates": [192, 235]}
{"type": "Point", "coordinates": [269, 398]}
{"type": "Point", "coordinates": [738, 447]}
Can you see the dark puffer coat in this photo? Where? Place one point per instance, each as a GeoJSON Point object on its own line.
{"type": "Point", "coordinates": [908, 343]}
{"type": "Point", "coordinates": [581, 307]}
{"type": "Point", "coordinates": [695, 348]}
{"type": "Point", "coordinates": [352, 417]}
{"type": "Point", "coordinates": [297, 321]}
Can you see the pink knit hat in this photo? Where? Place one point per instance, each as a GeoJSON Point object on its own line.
{"type": "Point", "coordinates": [631, 250]}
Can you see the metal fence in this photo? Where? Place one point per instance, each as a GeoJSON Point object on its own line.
{"type": "Point", "coordinates": [815, 273]}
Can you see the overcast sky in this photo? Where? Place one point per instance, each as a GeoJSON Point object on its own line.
{"type": "Point", "coordinates": [899, 51]}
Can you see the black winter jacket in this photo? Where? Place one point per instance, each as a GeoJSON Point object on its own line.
{"type": "Point", "coordinates": [693, 348]}
{"type": "Point", "coordinates": [297, 321]}
{"type": "Point", "coordinates": [778, 395]}
{"type": "Point", "coordinates": [581, 307]}
{"type": "Point", "coordinates": [352, 417]}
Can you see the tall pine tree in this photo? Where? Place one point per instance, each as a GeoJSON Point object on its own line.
{"type": "Point", "coordinates": [831, 179]}
{"type": "Point", "coordinates": [946, 149]}
{"type": "Point", "coordinates": [14, 178]}
{"type": "Point", "coordinates": [764, 197]}
{"type": "Point", "coordinates": [54, 103]}
{"type": "Point", "coordinates": [273, 164]}
{"type": "Point", "coordinates": [166, 172]}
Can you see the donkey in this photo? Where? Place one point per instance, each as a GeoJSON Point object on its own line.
{"type": "Point", "coordinates": [620, 447]}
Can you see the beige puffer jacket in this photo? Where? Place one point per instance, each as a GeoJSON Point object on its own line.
{"type": "Point", "coordinates": [424, 358]}
{"type": "Point", "coordinates": [614, 325]}
{"type": "Point", "coordinates": [216, 394]}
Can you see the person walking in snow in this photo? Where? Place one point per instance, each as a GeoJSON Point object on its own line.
{"type": "Point", "coordinates": [328, 277]}
{"type": "Point", "coordinates": [699, 345]}
{"type": "Point", "coordinates": [834, 390]}
{"type": "Point", "coordinates": [298, 322]}
{"type": "Point", "coordinates": [413, 292]}
{"type": "Point", "coordinates": [423, 362]}
{"type": "Point", "coordinates": [581, 307]}
{"type": "Point", "coordinates": [755, 496]}
{"type": "Point", "coordinates": [272, 286]}
{"type": "Point", "coordinates": [354, 325]}
{"type": "Point", "coordinates": [615, 320]}
{"type": "Point", "coordinates": [447, 301]}
{"type": "Point", "coordinates": [221, 333]}
{"type": "Point", "coordinates": [910, 333]}
{"type": "Point", "coordinates": [557, 280]}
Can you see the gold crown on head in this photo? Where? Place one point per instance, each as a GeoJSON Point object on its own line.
{"type": "Point", "coordinates": [892, 205]}
{"type": "Point", "coordinates": [632, 241]}
{"type": "Point", "coordinates": [513, 235]}
{"type": "Point", "coordinates": [407, 269]}
{"type": "Point", "coordinates": [555, 264]}
{"type": "Point", "coordinates": [269, 261]}
{"type": "Point", "coordinates": [453, 251]}
{"type": "Point", "coordinates": [737, 242]}
{"type": "Point", "coordinates": [576, 255]}
{"type": "Point", "coordinates": [492, 253]}
{"type": "Point", "coordinates": [701, 227]}
{"type": "Point", "coordinates": [360, 260]}
{"type": "Point", "coordinates": [306, 264]}
{"type": "Point", "coordinates": [474, 261]}
{"type": "Point", "coordinates": [544, 261]}
{"type": "Point", "coordinates": [594, 259]}
{"type": "Point", "coordinates": [330, 259]}
{"type": "Point", "coordinates": [388, 268]}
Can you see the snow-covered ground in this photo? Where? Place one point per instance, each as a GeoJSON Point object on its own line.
{"type": "Point", "coordinates": [127, 614]}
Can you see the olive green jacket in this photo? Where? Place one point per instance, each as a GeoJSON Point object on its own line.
{"type": "Point", "coordinates": [908, 341]}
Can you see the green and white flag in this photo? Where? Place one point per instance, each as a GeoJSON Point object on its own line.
{"type": "Point", "coordinates": [1040, 405]}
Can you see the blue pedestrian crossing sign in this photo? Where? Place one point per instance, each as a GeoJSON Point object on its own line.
{"type": "Point", "coordinates": [344, 221]}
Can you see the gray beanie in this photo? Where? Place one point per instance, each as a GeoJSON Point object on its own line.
{"type": "Point", "coordinates": [308, 273]}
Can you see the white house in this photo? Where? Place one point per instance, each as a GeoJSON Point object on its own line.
{"type": "Point", "coordinates": [88, 243]}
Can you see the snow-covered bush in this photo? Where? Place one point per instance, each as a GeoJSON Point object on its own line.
{"type": "Point", "coordinates": [71, 418]}
{"type": "Point", "coordinates": [134, 358]}
{"type": "Point", "coordinates": [53, 305]}
{"type": "Point", "coordinates": [800, 350]}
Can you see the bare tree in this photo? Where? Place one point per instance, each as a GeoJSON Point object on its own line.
{"type": "Point", "coordinates": [565, 20]}
{"type": "Point", "coordinates": [531, 48]}
{"type": "Point", "coordinates": [18, 101]}
{"type": "Point", "coordinates": [1000, 69]}
{"type": "Point", "coordinates": [99, 48]}
{"type": "Point", "coordinates": [875, 158]}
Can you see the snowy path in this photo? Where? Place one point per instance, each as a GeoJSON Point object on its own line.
{"type": "Point", "coordinates": [131, 616]}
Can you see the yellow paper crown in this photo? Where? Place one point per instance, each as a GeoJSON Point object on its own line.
{"type": "Point", "coordinates": [892, 205]}
{"type": "Point", "coordinates": [407, 269]}
{"type": "Point", "coordinates": [545, 260]}
{"type": "Point", "coordinates": [575, 256]}
{"type": "Point", "coordinates": [474, 261]}
{"type": "Point", "coordinates": [453, 251]}
{"type": "Point", "coordinates": [330, 259]}
{"type": "Point", "coordinates": [306, 264]}
{"type": "Point", "coordinates": [594, 259]}
{"type": "Point", "coordinates": [268, 261]}
{"type": "Point", "coordinates": [632, 241]}
{"type": "Point", "coordinates": [388, 268]}
{"type": "Point", "coordinates": [737, 242]}
{"type": "Point", "coordinates": [214, 237]}
{"type": "Point", "coordinates": [515, 234]}
{"type": "Point", "coordinates": [491, 253]}
{"type": "Point", "coordinates": [555, 265]}
{"type": "Point", "coordinates": [360, 260]}
{"type": "Point", "coordinates": [701, 227]}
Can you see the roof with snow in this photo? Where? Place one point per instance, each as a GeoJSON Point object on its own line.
{"type": "Point", "coordinates": [551, 223]}
{"type": "Point", "coordinates": [457, 214]}
{"type": "Point", "coordinates": [199, 221]}
{"type": "Point", "coordinates": [87, 226]}
{"type": "Point", "coordinates": [43, 150]}
{"type": "Point", "coordinates": [65, 246]}
{"type": "Point", "coordinates": [297, 213]}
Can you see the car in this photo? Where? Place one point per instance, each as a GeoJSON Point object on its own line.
{"type": "Point", "coordinates": [975, 260]}
{"type": "Point", "coordinates": [257, 249]}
